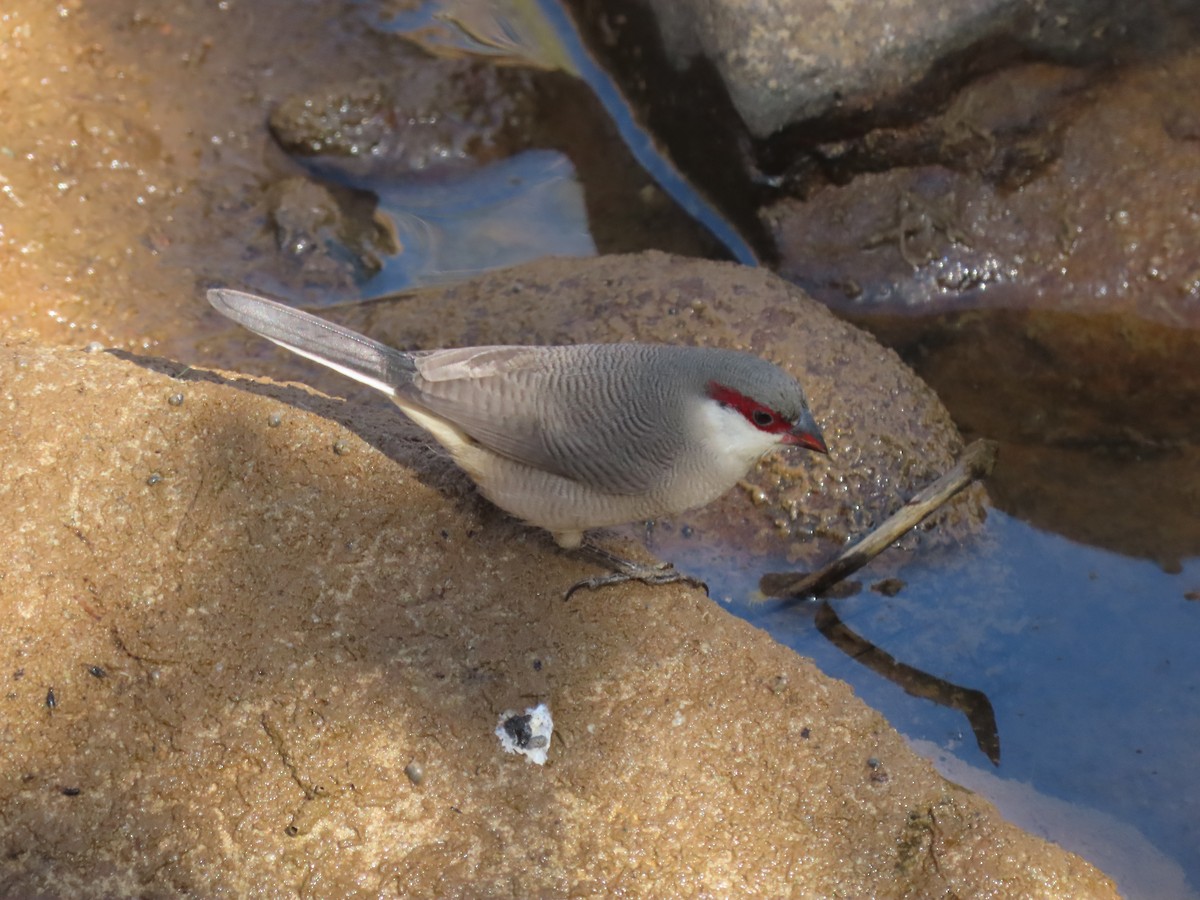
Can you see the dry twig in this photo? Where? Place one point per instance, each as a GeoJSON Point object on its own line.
{"type": "Point", "coordinates": [976, 462]}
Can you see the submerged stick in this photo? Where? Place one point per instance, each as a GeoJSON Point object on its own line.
{"type": "Point", "coordinates": [973, 704]}
{"type": "Point", "coordinates": [976, 462]}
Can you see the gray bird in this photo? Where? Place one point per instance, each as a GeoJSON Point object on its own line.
{"type": "Point", "coordinates": [570, 438]}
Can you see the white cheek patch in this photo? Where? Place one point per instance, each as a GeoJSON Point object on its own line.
{"type": "Point", "coordinates": [730, 435]}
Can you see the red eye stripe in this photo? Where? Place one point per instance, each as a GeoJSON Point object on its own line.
{"type": "Point", "coordinates": [761, 417]}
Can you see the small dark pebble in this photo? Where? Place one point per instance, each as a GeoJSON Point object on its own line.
{"type": "Point", "coordinates": [340, 448]}
{"type": "Point", "coordinates": [71, 791]}
{"type": "Point", "coordinates": [415, 772]}
{"type": "Point", "coordinates": [51, 700]}
{"type": "Point", "coordinates": [537, 665]}
{"type": "Point", "coordinates": [97, 671]}
{"type": "Point", "coordinates": [517, 728]}
{"type": "Point", "coordinates": [154, 479]}
{"type": "Point", "coordinates": [805, 733]}
{"type": "Point", "coordinates": [889, 587]}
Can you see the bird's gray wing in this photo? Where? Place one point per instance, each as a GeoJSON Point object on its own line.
{"type": "Point", "coordinates": [546, 407]}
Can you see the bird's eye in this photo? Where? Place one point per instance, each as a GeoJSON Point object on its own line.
{"type": "Point", "coordinates": [762, 418]}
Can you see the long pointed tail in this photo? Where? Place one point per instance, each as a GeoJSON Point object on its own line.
{"type": "Point", "coordinates": [341, 349]}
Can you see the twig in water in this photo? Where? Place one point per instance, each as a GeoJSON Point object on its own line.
{"type": "Point", "coordinates": [976, 462]}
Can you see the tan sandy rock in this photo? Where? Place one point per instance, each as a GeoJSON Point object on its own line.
{"type": "Point", "coordinates": [253, 619]}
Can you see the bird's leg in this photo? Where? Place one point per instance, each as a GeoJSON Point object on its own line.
{"type": "Point", "coordinates": [623, 570]}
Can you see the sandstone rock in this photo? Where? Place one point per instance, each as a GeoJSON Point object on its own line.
{"type": "Point", "coordinates": [254, 623]}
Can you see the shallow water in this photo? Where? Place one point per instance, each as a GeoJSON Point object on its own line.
{"type": "Point", "coordinates": [505, 213]}
{"type": "Point", "coordinates": [542, 34]}
{"type": "Point", "coordinates": [1089, 661]}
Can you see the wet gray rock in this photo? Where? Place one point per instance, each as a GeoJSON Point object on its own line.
{"type": "Point", "coordinates": [329, 246]}
{"type": "Point", "coordinates": [786, 61]}
{"type": "Point", "coordinates": [444, 112]}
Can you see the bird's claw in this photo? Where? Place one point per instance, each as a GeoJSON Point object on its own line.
{"type": "Point", "coordinates": [660, 574]}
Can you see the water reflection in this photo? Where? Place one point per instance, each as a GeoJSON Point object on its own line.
{"type": "Point", "coordinates": [509, 31]}
{"type": "Point", "coordinates": [973, 704]}
{"type": "Point", "coordinates": [1088, 657]}
{"type": "Point", "coordinates": [541, 33]}
{"type": "Point", "coordinates": [451, 224]}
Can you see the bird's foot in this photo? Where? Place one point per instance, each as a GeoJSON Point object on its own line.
{"type": "Point", "coordinates": [625, 570]}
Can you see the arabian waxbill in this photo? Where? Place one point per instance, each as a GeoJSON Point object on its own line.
{"type": "Point", "coordinates": [569, 438]}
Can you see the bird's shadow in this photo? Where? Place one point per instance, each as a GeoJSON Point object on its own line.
{"type": "Point", "coordinates": [374, 419]}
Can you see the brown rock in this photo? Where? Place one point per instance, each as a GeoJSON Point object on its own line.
{"type": "Point", "coordinates": [1079, 288]}
{"type": "Point", "coordinates": [284, 629]}
{"type": "Point", "coordinates": [1045, 285]}
{"type": "Point", "coordinates": [449, 112]}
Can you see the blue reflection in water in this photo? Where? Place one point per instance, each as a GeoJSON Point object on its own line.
{"type": "Point", "coordinates": [502, 29]}
{"type": "Point", "coordinates": [541, 33]}
{"type": "Point", "coordinates": [1091, 661]}
{"type": "Point", "coordinates": [452, 224]}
